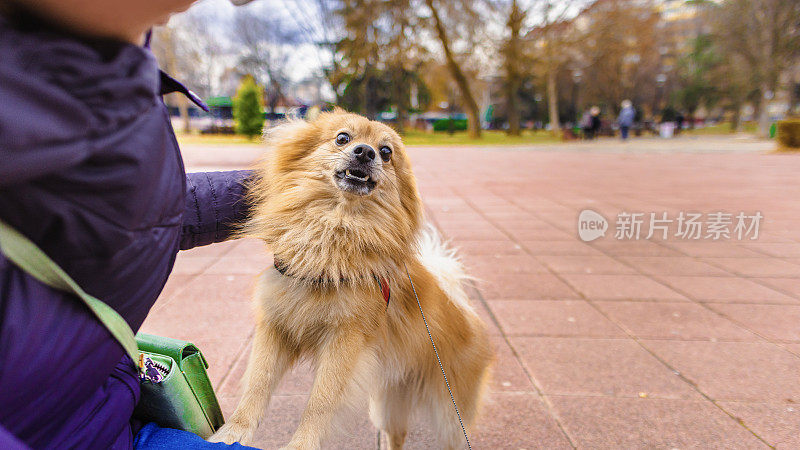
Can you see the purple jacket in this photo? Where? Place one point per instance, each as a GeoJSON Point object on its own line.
{"type": "Point", "coordinates": [91, 172]}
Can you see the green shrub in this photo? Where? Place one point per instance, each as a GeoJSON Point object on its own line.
{"type": "Point", "coordinates": [789, 133]}
{"type": "Point", "coordinates": [445, 125]}
{"type": "Point", "coordinates": [248, 111]}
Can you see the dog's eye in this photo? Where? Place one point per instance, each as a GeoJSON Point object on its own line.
{"type": "Point", "coordinates": [386, 153]}
{"type": "Point", "coordinates": [342, 138]}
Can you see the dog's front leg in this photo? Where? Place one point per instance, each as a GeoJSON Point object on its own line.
{"type": "Point", "coordinates": [269, 360]}
{"type": "Point", "coordinates": [335, 366]}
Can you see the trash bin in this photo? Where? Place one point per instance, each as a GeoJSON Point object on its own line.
{"type": "Point", "coordinates": [667, 130]}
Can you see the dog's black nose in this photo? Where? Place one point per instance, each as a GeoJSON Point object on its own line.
{"type": "Point", "coordinates": [364, 153]}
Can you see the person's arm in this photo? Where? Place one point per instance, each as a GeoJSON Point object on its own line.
{"type": "Point", "coordinates": [215, 205]}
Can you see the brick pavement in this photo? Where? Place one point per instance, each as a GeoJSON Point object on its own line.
{"type": "Point", "coordinates": [610, 344]}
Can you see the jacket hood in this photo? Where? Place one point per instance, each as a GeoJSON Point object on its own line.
{"type": "Point", "coordinates": [60, 95]}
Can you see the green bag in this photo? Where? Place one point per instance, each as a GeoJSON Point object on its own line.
{"type": "Point", "coordinates": [176, 391]}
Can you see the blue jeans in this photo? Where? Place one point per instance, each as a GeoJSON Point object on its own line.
{"type": "Point", "coordinates": [624, 130]}
{"type": "Point", "coordinates": [153, 437]}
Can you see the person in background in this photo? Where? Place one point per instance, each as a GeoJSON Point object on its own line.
{"type": "Point", "coordinates": [596, 122]}
{"type": "Point", "coordinates": [586, 124]}
{"type": "Point", "coordinates": [626, 118]}
{"type": "Point", "coordinates": [90, 171]}
{"type": "Point", "coordinates": [679, 119]}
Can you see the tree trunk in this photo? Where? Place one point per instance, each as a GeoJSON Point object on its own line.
{"type": "Point", "coordinates": [512, 63]}
{"type": "Point", "coordinates": [183, 108]}
{"type": "Point", "coordinates": [514, 128]}
{"type": "Point", "coordinates": [473, 113]}
{"type": "Point", "coordinates": [552, 100]}
{"type": "Point", "coordinates": [399, 98]}
{"type": "Point", "coordinates": [763, 113]}
{"type": "Point", "coordinates": [736, 122]}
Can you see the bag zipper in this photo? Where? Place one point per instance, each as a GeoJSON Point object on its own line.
{"type": "Point", "coordinates": [152, 371]}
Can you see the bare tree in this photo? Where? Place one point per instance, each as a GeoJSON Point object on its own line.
{"type": "Point", "coordinates": [764, 35]}
{"type": "Point", "coordinates": [187, 51]}
{"type": "Point", "coordinates": [513, 58]}
{"type": "Point", "coordinates": [554, 33]}
{"type": "Point", "coordinates": [360, 52]}
{"type": "Point", "coordinates": [266, 47]}
{"type": "Point", "coordinates": [166, 47]}
{"type": "Point", "coordinates": [623, 61]}
{"type": "Point", "coordinates": [453, 65]}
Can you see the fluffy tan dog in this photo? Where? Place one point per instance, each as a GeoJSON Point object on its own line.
{"type": "Point", "coordinates": [338, 205]}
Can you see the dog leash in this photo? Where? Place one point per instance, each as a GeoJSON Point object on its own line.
{"type": "Point", "coordinates": [437, 357]}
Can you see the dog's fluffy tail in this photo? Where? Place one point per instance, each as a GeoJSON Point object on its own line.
{"type": "Point", "coordinates": [444, 264]}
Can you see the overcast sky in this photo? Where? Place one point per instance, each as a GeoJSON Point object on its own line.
{"type": "Point", "coordinates": [306, 60]}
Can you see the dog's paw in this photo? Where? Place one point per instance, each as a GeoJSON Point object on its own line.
{"type": "Point", "coordinates": [233, 432]}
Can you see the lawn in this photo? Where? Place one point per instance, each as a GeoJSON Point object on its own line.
{"type": "Point", "coordinates": [213, 139]}
{"type": "Point", "coordinates": [411, 137]}
{"type": "Point", "coordinates": [429, 139]}
{"type": "Point", "coordinates": [489, 137]}
{"type": "Point", "coordinates": [722, 128]}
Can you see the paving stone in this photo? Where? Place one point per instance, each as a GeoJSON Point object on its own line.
{"type": "Point", "coordinates": [488, 248]}
{"type": "Point", "coordinates": [352, 430]}
{"type": "Point", "coordinates": [607, 367]}
{"type": "Point", "coordinates": [632, 248]}
{"type": "Point", "coordinates": [175, 284]}
{"type": "Point", "coordinates": [788, 285]}
{"type": "Point", "coordinates": [237, 265]}
{"type": "Point", "coordinates": [667, 320]}
{"type": "Point", "coordinates": [744, 371]}
{"type": "Point", "coordinates": [757, 267]}
{"type": "Point", "coordinates": [525, 286]}
{"type": "Point", "coordinates": [621, 287]}
{"type": "Point", "coordinates": [507, 420]}
{"type": "Point", "coordinates": [568, 248]}
{"type": "Point", "coordinates": [778, 249]}
{"type": "Point", "coordinates": [601, 265]}
{"type": "Point", "coordinates": [508, 375]}
{"type": "Point", "coordinates": [671, 265]}
{"type": "Point", "coordinates": [776, 423]}
{"type": "Point", "coordinates": [192, 265]}
{"type": "Point", "coordinates": [780, 322]}
{"type": "Point", "coordinates": [726, 289]}
{"type": "Point", "coordinates": [483, 267]}
{"type": "Point", "coordinates": [645, 423]}
{"type": "Point", "coordinates": [553, 318]}
{"type": "Point", "coordinates": [212, 251]}
{"type": "Point", "coordinates": [712, 249]}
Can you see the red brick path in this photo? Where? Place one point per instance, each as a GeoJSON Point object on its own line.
{"type": "Point", "coordinates": [610, 344]}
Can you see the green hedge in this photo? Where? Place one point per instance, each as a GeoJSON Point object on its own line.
{"type": "Point", "coordinates": [444, 125]}
{"type": "Point", "coordinates": [789, 133]}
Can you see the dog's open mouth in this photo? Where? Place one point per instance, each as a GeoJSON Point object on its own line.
{"type": "Point", "coordinates": [356, 181]}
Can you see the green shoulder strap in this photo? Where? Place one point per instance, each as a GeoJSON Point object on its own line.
{"type": "Point", "coordinates": [28, 257]}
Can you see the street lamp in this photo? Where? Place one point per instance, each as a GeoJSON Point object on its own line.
{"type": "Point", "coordinates": [661, 80]}
{"type": "Point", "coordinates": [577, 77]}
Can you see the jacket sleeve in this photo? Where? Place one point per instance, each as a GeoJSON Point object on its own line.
{"type": "Point", "coordinates": [215, 205]}
{"type": "Point", "coordinates": [9, 442]}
